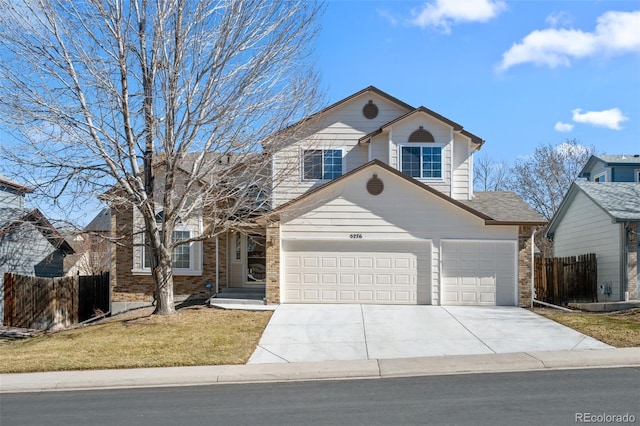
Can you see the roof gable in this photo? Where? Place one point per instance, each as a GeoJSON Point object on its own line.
{"type": "Point", "coordinates": [619, 200]}
{"type": "Point", "coordinates": [423, 110]}
{"type": "Point", "coordinates": [327, 187]}
{"type": "Point", "coordinates": [608, 161]}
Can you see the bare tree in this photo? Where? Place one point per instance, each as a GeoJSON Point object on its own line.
{"type": "Point", "coordinates": [543, 178]}
{"type": "Point", "coordinates": [146, 102]}
{"type": "Point", "coordinates": [489, 175]}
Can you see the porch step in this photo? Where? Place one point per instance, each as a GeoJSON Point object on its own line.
{"type": "Point", "coordinates": [234, 301]}
{"type": "Point", "coordinates": [239, 296]}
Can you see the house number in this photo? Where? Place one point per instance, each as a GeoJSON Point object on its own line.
{"type": "Point", "coordinates": [355, 236]}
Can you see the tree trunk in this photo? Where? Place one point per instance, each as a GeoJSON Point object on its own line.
{"type": "Point", "coordinates": [163, 279]}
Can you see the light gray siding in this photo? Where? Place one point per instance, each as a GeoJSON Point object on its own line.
{"type": "Point", "coordinates": [586, 228]}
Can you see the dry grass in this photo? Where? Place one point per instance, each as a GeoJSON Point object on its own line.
{"type": "Point", "coordinates": [619, 329]}
{"type": "Point", "coordinates": [193, 336]}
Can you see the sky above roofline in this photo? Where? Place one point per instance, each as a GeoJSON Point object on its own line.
{"type": "Point", "coordinates": [515, 73]}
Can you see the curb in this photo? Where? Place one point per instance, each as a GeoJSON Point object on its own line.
{"type": "Point", "coordinates": [327, 370]}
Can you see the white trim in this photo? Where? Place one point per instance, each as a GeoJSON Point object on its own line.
{"type": "Point", "coordinates": [347, 239]}
{"type": "Point", "coordinates": [636, 175]}
{"type": "Point", "coordinates": [301, 160]}
{"type": "Point", "coordinates": [478, 240]}
{"type": "Point", "coordinates": [452, 153]}
{"type": "Point", "coordinates": [422, 145]}
{"type": "Point", "coordinates": [470, 156]}
{"type": "Point", "coordinates": [390, 153]}
{"type": "Point", "coordinates": [605, 174]}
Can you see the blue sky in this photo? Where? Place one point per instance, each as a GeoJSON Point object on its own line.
{"type": "Point", "coordinates": [515, 73]}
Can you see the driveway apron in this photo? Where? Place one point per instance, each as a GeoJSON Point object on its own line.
{"type": "Point", "coordinates": [301, 333]}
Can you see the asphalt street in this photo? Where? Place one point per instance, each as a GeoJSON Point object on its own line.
{"type": "Point", "coordinates": [535, 398]}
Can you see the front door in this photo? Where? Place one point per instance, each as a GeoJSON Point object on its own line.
{"type": "Point", "coordinates": [247, 253]}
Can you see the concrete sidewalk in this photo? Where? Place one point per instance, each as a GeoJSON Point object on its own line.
{"type": "Point", "coordinates": [328, 370]}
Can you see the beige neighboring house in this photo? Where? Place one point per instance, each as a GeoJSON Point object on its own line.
{"type": "Point", "coordinates": [377, 207]}
{"type": "Point", "coordinates": [92, 247]}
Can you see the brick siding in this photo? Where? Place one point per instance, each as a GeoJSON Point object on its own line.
{"type": "Point", "coordinates": [127, 287]}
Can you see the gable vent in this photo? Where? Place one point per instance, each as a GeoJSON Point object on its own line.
{"type": "Point", "coordinates": [421, 135]}
{"type": "Point", "coordinates": [370, 110]}
{"type": "Point", "coordinates": [375, 185]}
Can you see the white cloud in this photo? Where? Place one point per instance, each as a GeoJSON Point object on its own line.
{"type": "Point", "coordinates": [443, 13]}
{"type": "Point", "coordinates": [610, 118]}
{"type": "Point", "coordinates": [384, 13]}
{"type": "Point", "coordinates": [615, 33]}
{"type": "Point", "coordinates": [563, 127]}
{"type": "Point", "coordinates": [559, 19]}
{"type": "Point", "coordinates": [572, 149]}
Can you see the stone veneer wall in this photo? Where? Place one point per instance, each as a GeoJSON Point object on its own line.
{"type": "Point", "coordinates": [632, 263]}
{"type": "Point", "coordinates": [127, 287]}
{"type": "Point", "coordinates": [525, 260]}
{"type": "Point", "coordinates": [272, 287]}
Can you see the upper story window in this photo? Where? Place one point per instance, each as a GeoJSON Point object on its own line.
{"type": "Point", "coordinates": [421, 162]}
{"type": "Point", "coordinates": [637, 175]}
{"type": "Point", "coordinates": [323, 164]}
{"type": "Point", "coordinates": [602, 177]}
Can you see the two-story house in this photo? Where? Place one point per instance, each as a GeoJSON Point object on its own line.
{"type": "Point", "coordinates": [601, 214]}
{"type": "Point", "coordinates": [612, 168]}
{"type": "Point", "coordinates": [374, 203]}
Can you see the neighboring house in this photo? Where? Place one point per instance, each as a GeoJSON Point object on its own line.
{"type": "Point", "coordinates": [612, 168]}
{"type": "Point", "coordinates": [602, 218]}
{"type": "Point", "coordinates": [29, 244]}
{"type": "Point", "coordinates": [375, 205]}
{"type": "Point", "coordinates": [92, 247]}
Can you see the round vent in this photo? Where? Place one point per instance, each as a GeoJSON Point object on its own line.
{"type": "Point", "coordinates": [375, 185]}
{"type": "Point", "coordinates": [370, 110]}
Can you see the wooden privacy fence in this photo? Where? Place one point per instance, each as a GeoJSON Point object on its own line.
{"type": "Point", "coordinates": [561, 280]}
{"type": "Point", "coordinates": [46, 303]}
{"type": "Point", "coordinates": [93, 296]}
{"type": "Point", "coordinates": [40, 303]}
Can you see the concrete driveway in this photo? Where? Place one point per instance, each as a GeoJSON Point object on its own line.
{"type": "Point", "coordinates": [300, 333]}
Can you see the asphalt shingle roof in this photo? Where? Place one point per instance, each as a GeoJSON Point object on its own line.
{"type": "Point", "coordinates": [503, 206]}
{"type": "Point", "coordinates": [631, 159]}
{"type": "Point", "coordinates": [621, 200]}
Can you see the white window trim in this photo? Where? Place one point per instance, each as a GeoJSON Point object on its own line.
{"type": "Point", "coordinates": [324, 148]}
{"type": "Point", "coordinates": [606, 178]}
{"type": "Point", "coordinates": [195, 252]}
{"type": "Point", "coordinates": [426, 144]}
{"type": "Point", "coordinates": [636, 174]}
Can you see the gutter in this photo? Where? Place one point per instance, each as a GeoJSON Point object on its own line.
{"type": "Point", "coordinates": [533, 266]}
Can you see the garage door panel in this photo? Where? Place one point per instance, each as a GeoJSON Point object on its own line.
{"type": "Point", "coordinates": [478, 273]}
{"type": "Point", "coordinates": [355, 272]}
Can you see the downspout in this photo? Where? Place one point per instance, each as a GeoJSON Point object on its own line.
{"type": "Point", "coordinates": [533, 267]}
{"type": "Point", "coordinates": [625, 261]}
{"type": "Point", "coordinates": [533, 287]}
{"type": "Point", "coordinates": [217, 265]}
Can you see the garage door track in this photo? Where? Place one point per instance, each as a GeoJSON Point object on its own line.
{"type": "Point", "coordinates": [308, 332]}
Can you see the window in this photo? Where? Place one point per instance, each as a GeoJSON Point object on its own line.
{"type": "Point", "coordinates": [421, 161]}
{"type": "Point", "coordinates": [321, 164]}
{"type": "Point", "coordinates": [637, 175]}
{"type": "Point", "coordinates": [602, 177]}
{"type": "Point", "coordinates": [181, 255]}
{"type": "Point", "coordinates": [186, 258]}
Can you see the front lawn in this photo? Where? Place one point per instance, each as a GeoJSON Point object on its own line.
{"type": "Point", "coordinates": [619, 329]}
{"type": "Point", "coordinates": [193, 336]}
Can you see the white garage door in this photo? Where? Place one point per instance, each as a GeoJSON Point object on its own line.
{"type": "Point", "coordinates": [478, 273]}
{"type": "Point", "coordinates": [356, 272]}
